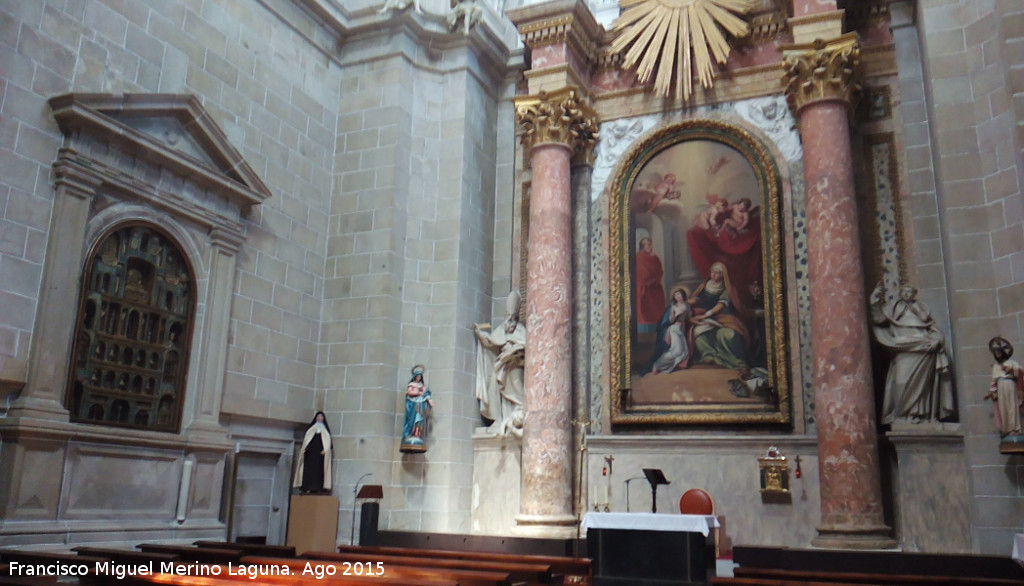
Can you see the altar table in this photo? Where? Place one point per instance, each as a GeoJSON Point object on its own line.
{"type": "Point", "coordinates": [650, 549]}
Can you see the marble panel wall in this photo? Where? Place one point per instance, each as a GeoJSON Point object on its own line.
{"type": "Point", "coordinates": [725, 466]}
{"type": "Point", "coordinates": [116, 482]}
{"type": "Point", "coordinates": [35, 493]}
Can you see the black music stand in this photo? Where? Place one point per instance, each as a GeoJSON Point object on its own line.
{"type": "Point", "coordinates": [655, 477]}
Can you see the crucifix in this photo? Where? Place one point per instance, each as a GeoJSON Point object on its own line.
{"type": "Point", "coordinates": [583, 424]}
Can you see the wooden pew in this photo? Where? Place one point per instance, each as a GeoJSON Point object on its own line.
{"type": "Point", "coordinates": [125, 556]}
{"type": "Point", "coordinates": [203, 555]}
{"type": "Point", "coordinates": [27, 556]}
{"type": "Point", "coordinates": [6, 579]}
{"type": "Point", "coordinates": [419, 574]}
{"type": "Point", "coordinates": [258, 549]}
{"type": "Point", "coordinates": [727, 581]}
{"type": "Point", "coordinates": [239, 580]}
{"type": "Point", "coordinates": [800, 567]}
{"type": "Point", "coordinates": [804, 577]}
{"type": "Point", "coordinates": [33, 557]}
{"type": "Point", "coordinates": [532, 573]}
{"type": "Point", "coordinates": [572, 570]}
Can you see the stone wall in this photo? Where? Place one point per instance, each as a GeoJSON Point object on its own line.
{"type": "Point", "coordinates": [410, 267]}
{"type": "Point", "coordinates": [372, 254]}
{"type": "Point", "coordinates": [274, 96]}
{"type": "Point", "coordinates": [968, 52]}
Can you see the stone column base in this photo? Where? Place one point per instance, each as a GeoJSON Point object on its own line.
{"type": "Point", "coordinates": [36, 408]}
{"type": "Point", "coordinates": [549, 526]}
{"type": "Point", "coordinates": [872, 537]}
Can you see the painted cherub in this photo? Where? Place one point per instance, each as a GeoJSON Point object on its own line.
{"type": "Point", "coordinates": [649, 195]}
{"type": "Point", "coordinates": [666, 188]}
{"type": "Point", "coordinates": [710, 218]}
{"type": "Point", "coordinates": [739, 216]}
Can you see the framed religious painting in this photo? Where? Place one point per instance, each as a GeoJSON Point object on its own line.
{"type": "Point", "coordinates": [698, 320]}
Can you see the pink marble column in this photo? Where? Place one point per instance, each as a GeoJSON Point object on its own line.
{"type": "Point", "coordinates": [851, 495]}
{"type": "Point", "coordinates": [553, 126]}
{"type": "Point", "coordinates": [547, 435]}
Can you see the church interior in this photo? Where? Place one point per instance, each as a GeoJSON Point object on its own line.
{"type": "Point", "coordinates": [515, 263]}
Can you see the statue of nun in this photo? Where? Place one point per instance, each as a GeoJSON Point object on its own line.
{"type": "Point", "coordinates": [313, 474]}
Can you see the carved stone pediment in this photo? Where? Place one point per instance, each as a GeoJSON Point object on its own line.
{"type": "Point", "coordinates": [172, 131]}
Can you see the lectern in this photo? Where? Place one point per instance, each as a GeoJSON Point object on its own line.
{"type": "Point", "coordinates": [369, 513]}
{"type": "Point", "coordinates": [656, 478]}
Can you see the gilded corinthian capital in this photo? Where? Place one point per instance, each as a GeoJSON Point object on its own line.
{"type": "Point", "coordinates": [822, 70]}
{"type": "Point", "coordinates": [561, 117]}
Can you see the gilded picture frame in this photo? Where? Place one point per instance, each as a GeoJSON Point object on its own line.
{"type": "Point", "coordinates": [698, 323]}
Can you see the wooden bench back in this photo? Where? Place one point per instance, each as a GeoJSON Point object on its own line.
{"type": "Point", "coordinates": [575, 570]}
{"type": "Point", "coordinates": [518, 572]}
{"type": "Point", "coordinates": [274, 551]}
{"type": "Point", "coordinates": [425, 575]}
{"type": "Point", "coordinates": [204, 555]}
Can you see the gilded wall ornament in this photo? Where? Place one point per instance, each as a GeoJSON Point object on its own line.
{"type": "Point", "coordinates": [822, 70]}
{"type": "Point", "coordinates": [667, 39]}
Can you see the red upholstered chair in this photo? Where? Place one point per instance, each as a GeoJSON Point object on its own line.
{"type": "Point", "coordinates": [696, 502]}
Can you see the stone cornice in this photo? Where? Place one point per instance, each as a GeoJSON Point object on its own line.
{"type": "Point", "coordinates": [709, 443]}
{"type": "Point", "coordinates": [72, 166]}
{"type": "Point", "coordinates": [491, 37]}
{"type": "Point", "coordinates": [96, 114]}
{"type": "Point", "coordinates": [822, 71]}
{"type": "Point", "coordinates": [749, 82]}
{"type": "Point", "coordinates": [562, 21]}
{"type": "Point", "coordinates": [17, 428]}
{"type": "Point", "coordinates": [561, 117]}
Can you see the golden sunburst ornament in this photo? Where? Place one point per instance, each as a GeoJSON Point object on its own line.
{"type": "Point", "coordinates": [661, 36]}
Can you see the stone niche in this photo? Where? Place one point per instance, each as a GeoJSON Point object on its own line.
{"type": "Point", "coordinates": [157, 159]}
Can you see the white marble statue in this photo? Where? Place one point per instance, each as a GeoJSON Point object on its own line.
{"type": "Point", "coordinates": [918, 386]}
{"type": "Point", "coordinates": [399, 5]}
{"type": "Point", "coordinates": [468, 11]}
{"type": "Point", "coordinates": [499, 371]}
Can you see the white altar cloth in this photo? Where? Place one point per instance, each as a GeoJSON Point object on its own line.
{"type": "Point", "coordinates": [651, 522]}
{"type": "Point", "coordinates": [1018, 548]}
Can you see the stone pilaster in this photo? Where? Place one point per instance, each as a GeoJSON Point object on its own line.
{"type": "Point", "coordinates": [555, 127]}
{"type": "Point", "coordinates": [43, 395]}
{"type": "Point", "coordinates": [821, 78]}
{"type": "Point", "coordinates": [224, 247]}
{"type": "Point", "coordinates": [582, 175]}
